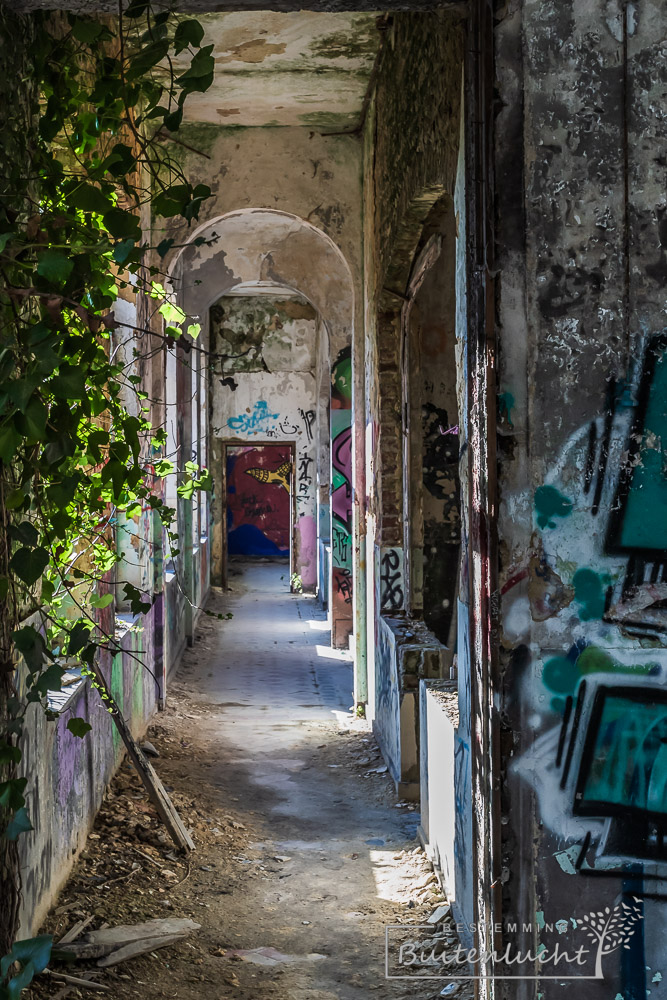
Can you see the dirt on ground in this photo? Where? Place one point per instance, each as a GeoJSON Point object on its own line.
{"type": "Point", "coordinates": [284, 919]}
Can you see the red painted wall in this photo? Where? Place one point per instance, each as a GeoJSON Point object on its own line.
{"type": "Point", "coordinates": [259, 481]}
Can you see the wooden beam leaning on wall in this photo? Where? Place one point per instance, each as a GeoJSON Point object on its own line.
{"type": "Point", "coordinates": [156, 790]}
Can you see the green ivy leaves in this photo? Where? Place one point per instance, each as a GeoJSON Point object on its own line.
{"type": "Point", "coordinates": [55, 266]}
{"type": "Point", "coordinates": [199, 76]}
{"type": "Point", "coordinates": [33, 957]}
{"type": "Point", "coordinates": [29, 564]}
{"type": "Point", "coordinates": [79, 727]}
{"type": "Point", "coordinates": [187, 33]}
{"type": "Point", "coordinates": [76, 460]}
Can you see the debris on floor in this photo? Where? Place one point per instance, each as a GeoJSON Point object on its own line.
{"type": "Point", "coordinates": [298, 866]}
{"type": "Point", "coordinates": [111, 945]}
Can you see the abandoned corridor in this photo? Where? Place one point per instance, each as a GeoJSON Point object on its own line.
{"type": "Point", "coordinates": [258, 744]}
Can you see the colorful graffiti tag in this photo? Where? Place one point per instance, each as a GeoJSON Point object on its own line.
{"type": "Point", "coordinates": [257, 421]}
{"type": "Point", "coordinates": [593, 603]}
{"type": "Point", "coordinates": [281, 475]}
{"type": "Point", "coordinates": [258, 500]}
{"type": "Point", "coordinates": [341, 496]}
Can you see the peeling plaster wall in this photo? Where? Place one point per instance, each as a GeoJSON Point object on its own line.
{"type": "Point", "coordinates": [297, 170]}
{"type": "Point", "coordinates": [286, 69]}
{"type": "Point", "coordinates": [286, 209]}
{"type": "Point", "coordinates": [263, 389]}
{"type": "Point", "coordinates": [580, 189]}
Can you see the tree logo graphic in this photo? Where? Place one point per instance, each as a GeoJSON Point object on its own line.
{"type": "Point", "coordinates": [611, 928]}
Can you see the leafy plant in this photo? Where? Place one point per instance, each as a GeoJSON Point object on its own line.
{"type": "Point", "coordinates": [31, 957]}
{"type": "Point", "coordinates": [85, 166]}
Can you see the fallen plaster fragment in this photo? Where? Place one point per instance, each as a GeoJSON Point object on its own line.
{"type": "Point", "coordinates": [424, 881]}
{"type": "Point", "coordinates": [270, 956]}
{"type": "Point", "coordinates": [439, 914]}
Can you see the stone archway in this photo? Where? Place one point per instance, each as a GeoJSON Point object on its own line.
{"type": "Point", "coordinates": [258, 248]}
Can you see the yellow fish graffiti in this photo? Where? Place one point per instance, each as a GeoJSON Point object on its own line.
{"type": "Point", "coordinates": [280, 475]}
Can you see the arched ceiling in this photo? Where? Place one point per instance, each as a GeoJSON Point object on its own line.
{"type": "Point", "coordinates": [262, 246]}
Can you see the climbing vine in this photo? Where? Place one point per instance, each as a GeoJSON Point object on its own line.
{"type": "Point", "coordinates": [86, 172]}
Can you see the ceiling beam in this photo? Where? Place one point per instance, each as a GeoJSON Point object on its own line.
{"type": "Point", "coordinates": [214, 6]}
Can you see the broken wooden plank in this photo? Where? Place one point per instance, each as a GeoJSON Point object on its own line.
{"type": "Point", "coordinates": [88, 984]}
{"type": "Point", "coordinates": [76, 930]}
{"type": "Point", "coordinates": [138, 948]}
{"type": "Point", "coordinates": [68, 906]}
{"type": "Point", "coordinates": [98, 944]}
{"type": "Point", "coordinates": [156, 790]}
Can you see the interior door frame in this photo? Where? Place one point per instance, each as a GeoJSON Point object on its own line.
{"type": "Point", "coordinates": [262, 443]}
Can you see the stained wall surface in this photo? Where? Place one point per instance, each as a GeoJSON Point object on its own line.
{"type": "Point", "coordinates": [263, 391]}
{"type": "Point", "coordinates": [400, 191]}
{"type": "Point", "coordinates": [583, 499]}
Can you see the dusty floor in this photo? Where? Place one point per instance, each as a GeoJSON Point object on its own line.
{"type": "Point", "coordinates": [303, 853]}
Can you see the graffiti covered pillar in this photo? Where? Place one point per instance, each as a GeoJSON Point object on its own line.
{"type": "Point", "coordinates": [341, 500]}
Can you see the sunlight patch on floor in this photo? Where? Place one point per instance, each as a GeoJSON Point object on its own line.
{"type": "Point", "coordinates": [334, 654]}
{"type": "Point", "coordinates": [402, 875]}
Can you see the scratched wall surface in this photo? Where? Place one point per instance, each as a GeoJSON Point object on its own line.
{"type": "Point", "coordinates": [264, 390]}
{"type": "Point", "coordinates": [583, 495]}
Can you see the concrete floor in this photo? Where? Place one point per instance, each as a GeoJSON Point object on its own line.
{"type": "Point", "coordinates": [303, 854]}
{"type": "Point", "coordinates": [284, 748]}
{"type": "Point", "coordinates": [273, 668]}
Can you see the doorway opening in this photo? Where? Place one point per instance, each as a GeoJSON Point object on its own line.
{"type": "Point", "coordinates": [259, 502]}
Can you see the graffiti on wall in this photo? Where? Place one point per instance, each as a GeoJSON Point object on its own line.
{"type": "Point", "coordinates": [391, 579]}
{"type": "Point", "coordinates": [280, 476]}
{"type": "Point", "coordinates": [341, 492]}
{"type": "Point", "coordinates": [593, 599]}
{"type": "Point", "coordinates": [259, 420]}
{"type": "Point", "coordinates": [305, 477]}
{"type": "Point", "coordinates": [265, 392]}
{"type": "Point", "coordinates": [442, 521]}
{"type": "Point", "coordinates": [258, 500]}
{"type": "Point", "coordinates": [342, 581]}
{"type": "Point", "coordinates": [308, 419]}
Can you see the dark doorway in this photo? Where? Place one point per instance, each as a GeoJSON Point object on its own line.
{"type": "Point", "coordinates": [259, 500]}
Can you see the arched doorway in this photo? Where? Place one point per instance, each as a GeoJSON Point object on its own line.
{"type": "Point", "coordinates": [252, 252]}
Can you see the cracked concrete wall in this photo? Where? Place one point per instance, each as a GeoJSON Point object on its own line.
{"type": "Point", "coordinates": [580, 195]}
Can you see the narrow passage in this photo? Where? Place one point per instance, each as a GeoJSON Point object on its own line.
{"type": "Point", "coordinates": [303, 852]}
